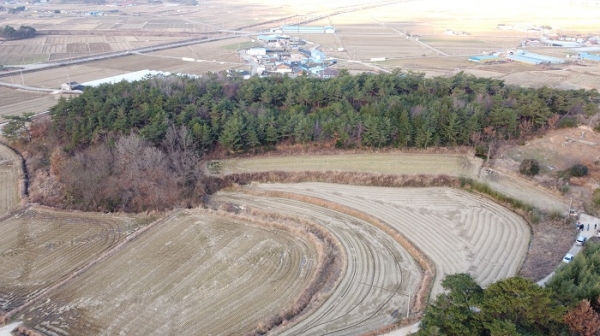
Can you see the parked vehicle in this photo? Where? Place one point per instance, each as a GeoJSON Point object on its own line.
{"type": "Point", "coordinates": [580, 240]}
{"type": "Point", "coordinates": [568, 257]}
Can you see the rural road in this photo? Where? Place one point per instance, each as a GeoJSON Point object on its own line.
{"type": "Point", "coordinates": [26, 88]}
{"type": "Point", "coordinates": [6, 330]}
{"type": "Point", "coordinates": [411, 38]}
{"type": "Point", "coordinates": [585, 220]}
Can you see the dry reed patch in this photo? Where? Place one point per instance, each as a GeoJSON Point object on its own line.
{"type": "Point", "coordinates": [551, 240]}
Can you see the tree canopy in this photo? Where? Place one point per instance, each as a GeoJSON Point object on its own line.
{"type": "Point", "coordinates": [10, 33]}
{"type": "Point", "coordinates": [517, 306]}
{"type": "Point", "coordinates": [400, 110]}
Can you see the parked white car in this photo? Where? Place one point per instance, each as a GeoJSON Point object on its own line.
{"type": "Point", "coordinates": [580, 240]}
{"type": "Point", "coordinates": [568, 257]}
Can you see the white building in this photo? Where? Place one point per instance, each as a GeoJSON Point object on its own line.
{"type": "Point", "coordinates": [256, 51]}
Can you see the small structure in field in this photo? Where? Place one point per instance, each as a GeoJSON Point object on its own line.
{"type": "Point", "coordinates": [589, 57]}
{"type": "Point", "coordinates": [128, 77]}
{"type": "Point", "coordinates": [483, 58]}
{"type": "Point", "coordinates": [70, 86]}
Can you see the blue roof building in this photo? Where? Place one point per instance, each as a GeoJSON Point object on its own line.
{"type": "Point", "coordinates": [589, 57]}
{"type": "Point", "coordinates": [317, 55]}
{"type": "Point", "coordinates": [531, 58]}
{"type": "Point", "coordinates": [483, 58]}
{"type": "Point", "coordinates": [525, 59]}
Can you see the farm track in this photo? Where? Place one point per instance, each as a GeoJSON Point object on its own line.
{"type": "Point", "coordinates": [523, 190]}
{"type": "Point", "coordinates": [379, 275]}
{"type": "Point", "coordinates": [184, 277]}
{"type": "Point", "coordinates": [458, 231]}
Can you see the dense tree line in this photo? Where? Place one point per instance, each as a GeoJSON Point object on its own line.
{"type": "Point", "coordinates": [367, 110]}
{"type": "Point", "coordinates": [569, 305]}
{"type": "Point", "coordinates": [10, 33]}
{"type": "Point", "coordinates": [85, 156]}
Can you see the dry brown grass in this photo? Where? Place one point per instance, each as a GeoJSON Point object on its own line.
{"type": "Point", "coordinates": [551, 238]}
{"type": "Point", "coordinates": [367, 179]}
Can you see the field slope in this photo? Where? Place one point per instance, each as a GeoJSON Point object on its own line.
{"type": "Point", "coordinates": [458, 231]}
{"type": "Point", "coordinates": [9, 179]}
{"type": "Point", "coordinates": [195, 274]}
{"type": "Point", "coordinates": [40, 247]}
{"type": "Point", "coordinates": [385, 163]}
{"type": "Point", "coordinates": [379, 277]}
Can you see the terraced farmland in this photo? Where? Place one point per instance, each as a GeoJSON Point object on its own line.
{"type": "Point", "coordinates": [40, 247]}
{"type": "Point", "coordinates": [386, 163]}
{"type": "Point", "coordinates": [9, 179]}
{"type": "Point", "coordinates": [194, 274]}
{"type": "Point", "coordinates": [377, 283]}
{"type": "Point", "coordinates": [458, 231]}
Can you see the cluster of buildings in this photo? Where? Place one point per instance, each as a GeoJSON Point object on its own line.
{"type": "Point", "coordinates": [580, 49]}
{"type": "Point", "coordinates": [303, 30]}
{"type": "Point", "coordinates": [282, 54]}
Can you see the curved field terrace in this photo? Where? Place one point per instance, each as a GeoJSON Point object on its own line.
{"type": "Point", "coordinates": [374, 288]}
{"type": "Point", "coordinates": [458, 231]}
{"type": "Point", "coordinates": [40, 247]}
{"type": "Point", "coordinates": [197, 273]}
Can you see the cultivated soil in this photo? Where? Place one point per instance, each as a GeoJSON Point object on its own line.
{"type": "Point", "coordinates": [196, 273]}
{"type": "Point", "coordinates": [376, 285]}
{"type": "Point", "coordinates": [40, 247]}
{"type": "Point", "coordinates": [385, 163]}
{"type": "Point", "coordinates": [9, 179]}
{"type": "Point", "coordinates": [458, 231]}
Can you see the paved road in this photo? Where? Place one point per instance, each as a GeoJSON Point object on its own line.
{"type": "Point", "coordinates": [575, 249]}
{"type": "Point", "coordinates": [5, 331]}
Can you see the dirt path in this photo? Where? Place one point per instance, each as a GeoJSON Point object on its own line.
{"type": "Point", "coordinates": [524, 190]}
{"type": "Point", "coordinates": [379, 277]}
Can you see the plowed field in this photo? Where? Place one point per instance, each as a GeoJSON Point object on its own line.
{"type": "Point", "coordinates": [9, 179]}
{"type": "Point", "coordinates": [458, 231]}
{"type": "Point", "coordinates": [387, 163]}
{"type": "Point", "coordinates": [375, 287]}
{"type": "Point", "coordinates": [40, 247]}
{"type": "Point", "coordinates": [194, 274]}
